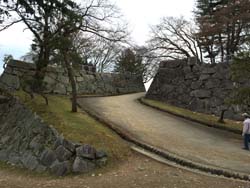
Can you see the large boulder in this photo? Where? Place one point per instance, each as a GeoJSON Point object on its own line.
{"type": "Point", "coordinates": [208, 70]}
{"type": "Point", "coordinates": [212, 83]}
{"type": "Point", "coordinates": [86, 151]}
{"type": "Point", "coordinates": [201, 93]}
{"type": "Point", "coordinates": [29, 161]}
{"type": "Point", "coordinates": [10, 81]}
{"type": "Point", "coordinates": [81, 165]}
{"type": "Point", "coordinates": [48, 157]}
{"type": "Point", "coordinates": [63, 154]}
{"type": "Point", "coordinates": [60, 168]}
{"type": "Point", "coordinates": [204, 77]}
{"type": "Point", "coordinates": [65, 143]}
{"type": "Point", "coordinates": [196, 85]}
{"type": "Point", "coordinates": [4, 99]}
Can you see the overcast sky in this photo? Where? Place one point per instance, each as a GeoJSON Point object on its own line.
{"type": "Point", "coordinates": [143, 13]}
{"type": "Point", "coordinates": [139, 13]}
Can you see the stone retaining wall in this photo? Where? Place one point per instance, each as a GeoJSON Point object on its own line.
{"type": "Point", "coordinates": [57, 82]}
{"type": "Point", "coordinates": [26, 141]}
{"type": "Point", "coordinates": [198, 87]}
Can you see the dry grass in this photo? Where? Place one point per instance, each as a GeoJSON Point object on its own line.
{"type": "Point", "coordinates": [209, 120]}
{"type": "Point", "coordinates": [78, 127]}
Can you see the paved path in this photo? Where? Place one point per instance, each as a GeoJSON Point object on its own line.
{"type": "Point", "coordinates": [184, 138]}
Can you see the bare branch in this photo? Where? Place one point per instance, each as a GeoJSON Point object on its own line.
{"type": "Point", "coordinates": [173, 37]}
{"type": "Point", "coordinates": [10, 24]}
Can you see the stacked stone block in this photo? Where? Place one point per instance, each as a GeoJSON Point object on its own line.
{"type": "Point", "coordinates": [57, 82]}
{"type": "Point", "coordinates": [199, 87]}
{"type": "Point", "coordinates": [28, 142]}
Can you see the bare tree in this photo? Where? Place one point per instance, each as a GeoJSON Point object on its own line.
{"type": "Point", "coordinates": [174, 38]}
{"type": "Point", "coordinates": [98, 18]}
{"type": "Point", "coordinates": [150, 62]}
{"type": "Point", "coordinates": [98, 51]}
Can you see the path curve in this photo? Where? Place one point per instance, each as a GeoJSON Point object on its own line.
{"type": "Point", "coordinates": [184, 138]}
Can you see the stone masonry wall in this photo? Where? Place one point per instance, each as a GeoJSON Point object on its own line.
{"type": "Point", "coordinates": [88, 82]}
{"type": "Point", "coordinates": [198, 87]}
{"type": "Point", "coordinates": [26, 141]}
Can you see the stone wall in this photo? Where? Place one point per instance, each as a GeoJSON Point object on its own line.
{"type": "Point", "coordinates": [198, 87]}
{"type": "Point", "coordinates": [57, 82]}
{"type": "Point", "coordinates": [26, 141]}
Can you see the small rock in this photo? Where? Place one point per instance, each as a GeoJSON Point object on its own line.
{"type": "Point", "coordinates": [102, 162]}
{"type": "Point", "coordinates": [141, 168]}
{"type": "Point", "coordinates": [174, 174]}
{"type": "Point", "coordinates": [40, 168]}
{"type": "Point", "coordinates": [101, 154]}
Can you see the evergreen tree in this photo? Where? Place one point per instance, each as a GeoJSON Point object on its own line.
{"type": "Point", "coordinates": [129, 62]}
{"type": "Point", "coordinates": [42, 18]}
{"type": "Point", "coordinates": [53, 22]}
{"type": "Point", "coordinates": [241, 75]}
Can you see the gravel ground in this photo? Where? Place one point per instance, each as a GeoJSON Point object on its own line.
{"type": "Point", "coordinates": [186, 139]}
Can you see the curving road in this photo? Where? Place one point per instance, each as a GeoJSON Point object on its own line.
{"type": "Point", "coordinates": [184, 138]}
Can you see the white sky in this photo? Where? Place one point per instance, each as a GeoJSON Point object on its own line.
{"type": "Point", "coordinates": [142, 13]}
{"type": "Point", "coordinates": [139, 13]}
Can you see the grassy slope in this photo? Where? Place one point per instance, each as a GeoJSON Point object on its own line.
{"type": "Point", "coordinates": [78, 127]}
{"type": "Point", "coordinates": [211, 120]}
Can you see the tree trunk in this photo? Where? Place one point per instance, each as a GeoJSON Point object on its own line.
{"type": "Point", "coordinates": [221, 120]}
{"type": "Point", "coordinates": [221, 48]}
{"type": "Point", "coordinates": [37, 85]}
{"type": "Point", "coordinates": [200, 51]}
{"type": "Point", "coordinates": [72, 82]}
